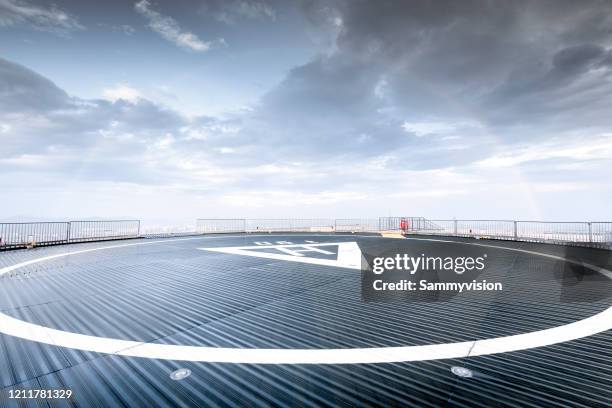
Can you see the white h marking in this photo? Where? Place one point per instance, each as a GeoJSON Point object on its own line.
{"type": "Point", "coordinates": [298, 252]}
{"type": "Point", "coordinates": [349, 254]}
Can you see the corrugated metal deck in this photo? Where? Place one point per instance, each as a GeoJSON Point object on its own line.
{"type": "Point", "coordinates": [173, 293]}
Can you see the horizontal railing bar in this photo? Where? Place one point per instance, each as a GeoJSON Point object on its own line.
{"type": "Point", "coordinates": [33, 223]}
{"type": "Point", "coordinates": [104, 221]}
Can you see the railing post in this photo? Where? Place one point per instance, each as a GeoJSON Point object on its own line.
{"type": "Point", "coordinates": [138, 233]}
{"type": "Point", "coordinates": [454, 227]}
{"type": "Point", "coordinates": [590, 232]}
{"type": "Point", "coordinates": [68, 231]}
{"type": "Point", "coordinates": [515, 231]}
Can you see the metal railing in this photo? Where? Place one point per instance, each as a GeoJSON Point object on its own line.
{"type": "Point", "coordinates": [229, 225]}
{"type": "Point", "coordinates": [17, 235]}
{"type": "Point", "coordinates": [404, 224]}
{"type": "Point", "coordinates": [582, 233]}
{"type": "Point", "coordinates": [21, 235]}
{"type": "Point", "coordinates": [81, 231]}
{"type": "Point", "coordinates": [498, 229]}
{"type": "Point", "coordinates": [157, 231]}
{"type": "Point", "coordinates": [220, 225]}
{"type": "Point", "coordinates": [601, 232]}
{"type": "Point", "coordinates": [598, 234]}
{"type": "Point", "coordinates": [290, 225]}
{"type": "Point", "coordinates": [357, 225]}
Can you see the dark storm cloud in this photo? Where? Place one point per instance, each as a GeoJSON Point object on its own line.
{"type": "Point", "coordinates": [566, 66]}
{"type": "Point", "coordinates": [576, 59]}
{"type": "Point", "coordinates": [495, 62]}
{"type": "Point", "coordinates": [326, 107]}
{"type": "Point", "coordinates": [570, 91]}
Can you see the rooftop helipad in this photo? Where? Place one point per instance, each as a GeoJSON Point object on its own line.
{"type": "Point", "coordinates": [278, 319]}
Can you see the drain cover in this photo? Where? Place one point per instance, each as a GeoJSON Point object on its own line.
{"type": "Point", "coordinates": [462, 372]}
{"type": "Point", "coordinates": [180, 374]}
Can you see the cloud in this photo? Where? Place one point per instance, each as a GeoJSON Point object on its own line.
{"type": "Point", "coordinates": [527, 63]}
{"type": "Point", "coordinates": [230, 11]}
{"type": "Point", "coordinates": [169, 29]}
{"type": "Point", "coordinates": [471, 74]}
{"type": "Point", "coordinates": [41, 118]}
{"type": "Point", "coordinates": [122, 91]}
{"type": "Point", "coordinates": [123, 28]}
{"type": "Point", "coordinates": [22, 90]}
{"type": "Point", "coordinates": [594, 148]}
{"type": "Point", "coordinates": [432, 127]}
{"type": "Point", "coordinates": [479, 101]}
{"type": "Point", "coordinates": [126, 29]}
{"type": "Point", "coordinates": [53, 19]}
{"type": "Point", "coordinates": [288, 199]}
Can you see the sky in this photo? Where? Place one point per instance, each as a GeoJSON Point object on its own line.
{"type": "Point", "coordinates": [170, 111]}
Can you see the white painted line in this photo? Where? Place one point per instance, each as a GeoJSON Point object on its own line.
{"type": "Point", "coordinates": [7, 269]}
{"type": "Point", "coordinates": [595, 324]}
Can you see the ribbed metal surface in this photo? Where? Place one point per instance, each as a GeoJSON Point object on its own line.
{"type": "Point", "coordinates": [173, 293]}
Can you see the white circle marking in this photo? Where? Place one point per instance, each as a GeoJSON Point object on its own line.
{"type": "Point", "coordinates": [18, 328]}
